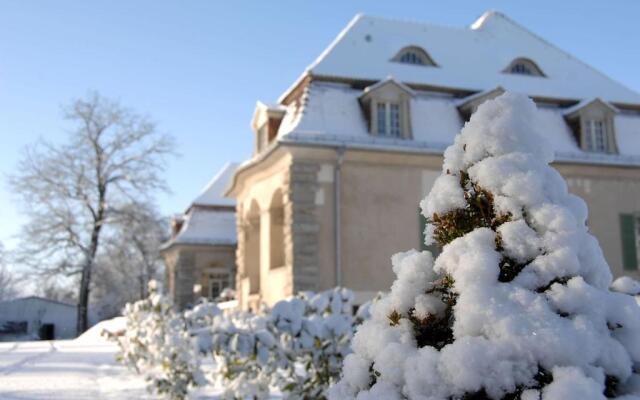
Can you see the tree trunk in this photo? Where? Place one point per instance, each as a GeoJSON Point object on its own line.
{"type": "Point", "coordinates": [83, 299]}
{"type": "Point", "coordinates": [85, 280]}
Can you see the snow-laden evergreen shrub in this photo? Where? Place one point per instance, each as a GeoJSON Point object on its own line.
{"type": "Point", "coordinates": [517, 305]}
{"type": "Point", "coordinates": [297, 347]}
{"type": "Point", "coordinates": [246, 355]}
{"type": "Point", "coordinates": [158, 345]}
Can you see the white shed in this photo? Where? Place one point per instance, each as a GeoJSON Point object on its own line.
{"type": "Point", "coordinates": [37, 318]}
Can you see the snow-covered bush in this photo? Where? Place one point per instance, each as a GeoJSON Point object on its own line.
{"type": "Point", "coordinates": [298, 346]}
{"type": "Point", "coordinates": [246, 355]}
{"type": "Point", "coordinates": [315, 333]}
{"type": "Point", "coordinates": [517, 305]}
{"type": "Point", "coordinates": [157, 344]}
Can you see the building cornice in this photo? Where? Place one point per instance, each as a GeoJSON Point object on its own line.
{"type": "Point", "coordinates": [457, 92]}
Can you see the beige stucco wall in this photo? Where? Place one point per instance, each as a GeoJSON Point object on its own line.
{"type": "Point", "coordinates": [254, 200]}
{"type": "Point", "coordinates": [608, 192]}
{"type": "Point", "coordinates": [189, 265]}
{"type": "Point", "coordinates": [380, 217]}
{"type": "Point", "coordinates": [380, 196]}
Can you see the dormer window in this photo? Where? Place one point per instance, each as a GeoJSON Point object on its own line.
{"type": "Point", "coordinates": [523, 66]}
{"type": "Point", "coordinates": [414, 55]}
{"type": "Point", "coordinates": [595, 135]}
{"type": "Point", "coordinates": [388, 119]}
{"type": "Point", "coordinates": [592, 122]}
{"type": "Point", "coordinates": [386, 108]}
{"type": "Point", "coordinates": [265, 123]}
{"type": "Point", "coordinates": [411, 57]}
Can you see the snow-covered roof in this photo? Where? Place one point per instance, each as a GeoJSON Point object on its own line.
{"type": "Point", "coordinates": [213, 193]}
{"type": "Point", "coordinates": [583, 103]}
{"type": "Point", "coordinates": [471, 59]}
{"type": "Point", "coordinates": [331, 115]}
{"type": "Point", "coordinates": [37, 299]}
{"type": "Point", "coordinates": [391, 80]}
{"type": "Point", "coordinates": [206, 226]}
{"type": "Point", "coordinates": [463, 102]}
{"type": "Point", "coordinates": [210, 219]}
{"type": "Point", "coordinates": [263, 111]}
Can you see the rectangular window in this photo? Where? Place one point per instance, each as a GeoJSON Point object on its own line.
{"type": "Point", "coordinates": [388, 119]}
{"type": "Point", "coordinates": [381, 115]}
{"type": "Point", "coordinates": [394, 120]}
{"type": "Point", "coordinates": [630, 235]}
{"type": "Point", "coordinates": [595, 136]}
{"type": "Point", "coordinates": [217, 283]}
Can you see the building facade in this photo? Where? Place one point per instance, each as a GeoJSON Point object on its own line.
{"type": "Point", "coordinates": [349, 150]}
{"type": "Point", "coordinates": [37, 318]}
{"type": "Point", "coordinates": [200, 254]}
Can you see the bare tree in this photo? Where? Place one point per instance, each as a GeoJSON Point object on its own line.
{"type": "Point", "coordinates": [144, 231]}
{"type": "Point", "coordinates": [8, 281]}
{"type": "Point", "coordinates": [131, 258]}
{"type": "Point", "coordinates": [50, 287]}
{"type": "Point", "coordinates": [73, 192]}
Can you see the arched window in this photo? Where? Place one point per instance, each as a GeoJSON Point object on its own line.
{"type": "Point", "coordinates": [414, 55]}
{"type": "Point", "coordinates": [523, 66]}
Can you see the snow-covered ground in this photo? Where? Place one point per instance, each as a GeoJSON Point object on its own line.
{"type": "Point", "coordinates": [84, 368]}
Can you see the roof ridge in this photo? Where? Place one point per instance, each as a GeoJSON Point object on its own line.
{"type": "Point", "coordinates": [64, 303]}
{"type": "Point", "coordinates": [335, 41]}
{"type": "Point", "coordinates": [228, 165]}
{"type": "Point", "coordinates": [413, 21]}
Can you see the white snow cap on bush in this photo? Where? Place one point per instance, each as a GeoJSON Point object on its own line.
{"type": "Point", "coordinates": [626, 285]}
{"type": "Point", "coordinates": [553, 330]}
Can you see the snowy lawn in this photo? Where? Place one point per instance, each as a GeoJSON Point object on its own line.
{"type": "Point", "coordinates": [66, 369]}
{"type": "Point", "coordinates": [84, 368]}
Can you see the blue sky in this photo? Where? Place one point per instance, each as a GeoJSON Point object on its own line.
{"type": "Point", "coordinates": [198, 67]}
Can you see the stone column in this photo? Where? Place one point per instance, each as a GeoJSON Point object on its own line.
{"type": "Point", "coordinates": [301, 234]}
{"type": "Point", "coordinates": [185, 278]}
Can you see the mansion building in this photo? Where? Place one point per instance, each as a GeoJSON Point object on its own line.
{"type": "Point", "coordinates": [345, 155]}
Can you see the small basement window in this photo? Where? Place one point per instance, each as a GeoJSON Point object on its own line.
{"type": "Point", "coordinates": [524, 66]}
{"type": "Point", "coordinates": [414, 55]}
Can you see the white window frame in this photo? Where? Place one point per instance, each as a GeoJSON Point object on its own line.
{"type": "Point", "coordinates": [389, 124]}
{"type": "Point", "coordinates": [595, 135]}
